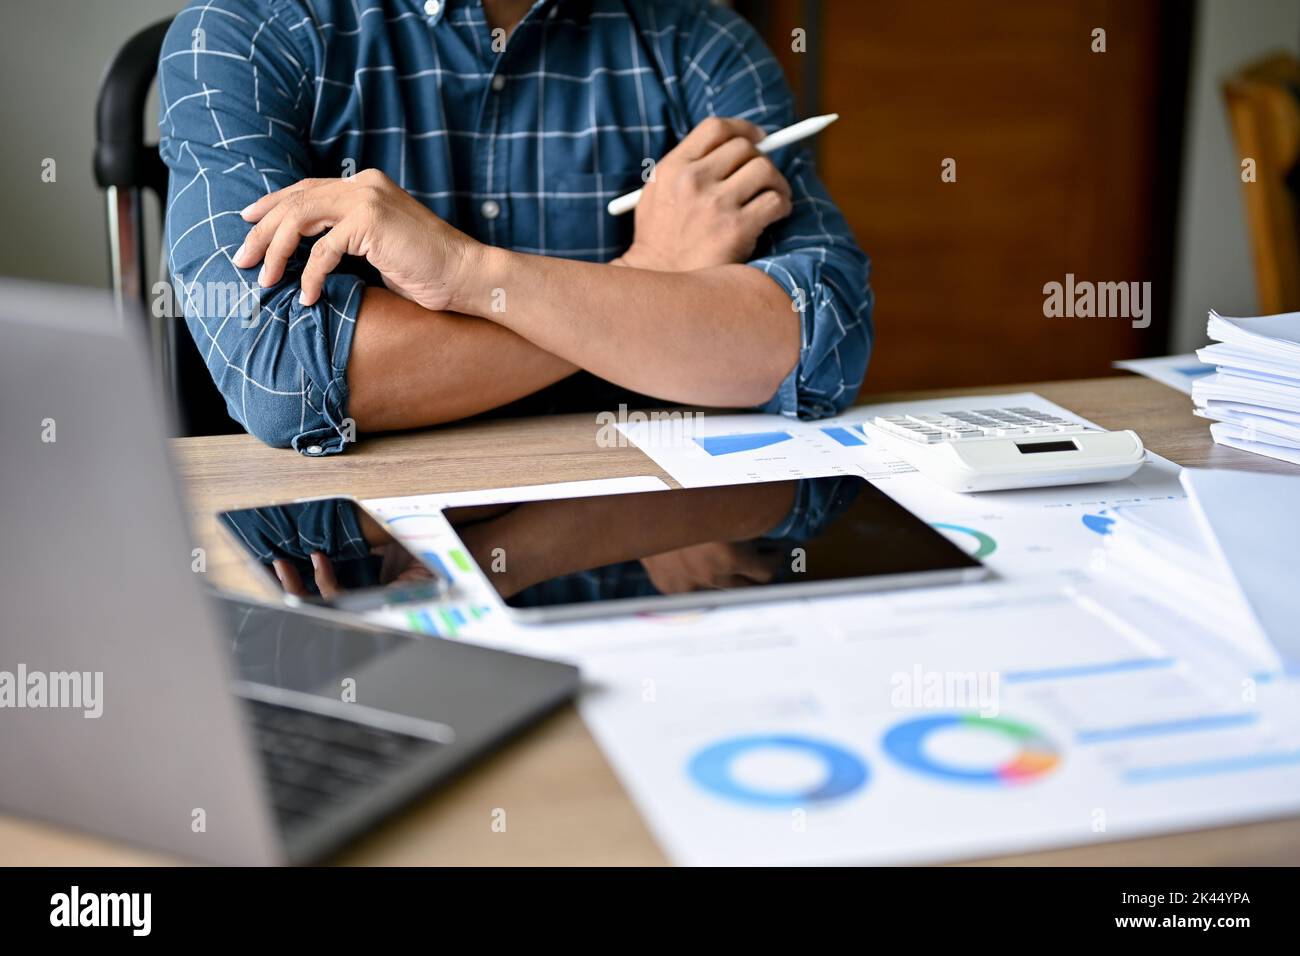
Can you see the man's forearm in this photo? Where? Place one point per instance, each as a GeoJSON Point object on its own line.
{"type": "Point", "coordinates": [411, 367]}
{"type": "Point", "coordinates": [725, 335]}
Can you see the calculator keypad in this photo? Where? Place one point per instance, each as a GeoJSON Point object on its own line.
{"type": "Point", "coordinates": [963, 425]}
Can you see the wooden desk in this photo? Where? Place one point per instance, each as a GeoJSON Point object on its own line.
{"type": "Point", "coordinates": [564, 804]}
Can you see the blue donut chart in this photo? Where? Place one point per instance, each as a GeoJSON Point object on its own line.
{"type": "Point", "coordinates": [710, 768]}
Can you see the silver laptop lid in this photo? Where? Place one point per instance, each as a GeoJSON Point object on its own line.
{"type": "Point", "coordinates": [115, 708]}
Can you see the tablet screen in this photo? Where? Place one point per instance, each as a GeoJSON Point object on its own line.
{"type": "Point", "coordinates": [772, 535]}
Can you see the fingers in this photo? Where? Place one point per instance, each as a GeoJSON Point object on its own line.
{"type": "Point", "coordinates": [285, 243]}
{"type": "Point", "coordinates": [254, 246]}
{"type": "Point", "coordinates": [289, 577]}
{"type": "Point", "coordinates": [712, 133]}
{"type": "Point", "coordinates": [255, 211]}
{"type": "Point", "coordinates": [729, 157]}
{"type": "Point", "coordinates": [745, 562]}
{"type": "Point", "coordinates": [326, 254]}
{"type": "Point", "coordinates": [756, 176]}
{"type": "Point", "coordinates": [277, 236]}
{"type": "Point", "coordinates": [764, 209]}
{"type": "Point", "coordinates": [326, 581]}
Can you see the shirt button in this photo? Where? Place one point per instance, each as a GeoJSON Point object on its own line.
{"type": "Point", "coordinates": [490, 209]}
{"type": "Point", "coordinates": [431, 7]}
{"type": "Point", "coordinates": [498, 83]}
{"type": "Point", "coordinates": [317, 449]}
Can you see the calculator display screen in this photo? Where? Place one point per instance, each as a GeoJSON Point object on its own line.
{"type": "Point", "coordinates": [1034, 447]}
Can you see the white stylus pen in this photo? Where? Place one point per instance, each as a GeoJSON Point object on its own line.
{"type": "Point", "coordinates": [782, 137]}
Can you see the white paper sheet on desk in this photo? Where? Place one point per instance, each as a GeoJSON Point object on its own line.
{"type": "Point", "coordinates": [1163, 553]}
{"type": "Point", "coordinates": [1250, 522]}
{"type": "Point", "coordinates": [1255, 427]}
{"type": "Point", "coordinates": [763, 734]}
{"type": "Point", "coordinates": [1034, 533]}
{"type": "Point", "coordinates": [1245, 377]}
{"type": "Point", "coordinates": [1221, 355]}
{"type": "Point", "coordinates": [733, 449]}
{"type": "Point", "coordinates": [1277, 335]}
{"type": "Point", "coordinates": [738, 449]}
{"type": "Point", "coordinates": [1176, 371]}
{"type": "Point", "coordinates": [1234, 436]}
{"type": "Point", "coordinates": [1238, 411]}
{"type": "Point", "coordinates": [1226, 387]}
{"type": "Point", "coordinates": [805, 732]}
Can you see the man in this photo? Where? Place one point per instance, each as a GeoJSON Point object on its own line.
{"type": "Point", "coordinates": [465, 151]}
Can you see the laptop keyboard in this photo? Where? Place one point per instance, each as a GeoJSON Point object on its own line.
{"type": "Point", "coordinates": [315, 763]}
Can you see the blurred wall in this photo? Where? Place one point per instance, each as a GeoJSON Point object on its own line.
{"type": "Point", "coordinates": [1214, 268]}
{"type": "Point", "coordinates": [52, 57]}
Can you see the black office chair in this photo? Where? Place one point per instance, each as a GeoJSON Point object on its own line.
{"type": "Point", "coordinates": [124, 168]}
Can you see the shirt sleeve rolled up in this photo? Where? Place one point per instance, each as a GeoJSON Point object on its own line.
{"type": "Point", "coordinates": [235, 101]}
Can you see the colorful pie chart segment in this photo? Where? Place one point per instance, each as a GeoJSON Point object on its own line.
{"type": "Point", "coordinates": [975, 543]}
{"type": "Point", "coordinates": [1036, 755]}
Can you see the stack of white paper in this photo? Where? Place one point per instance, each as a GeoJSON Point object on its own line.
{"type": "Point", "coordinates": [1254, 397]}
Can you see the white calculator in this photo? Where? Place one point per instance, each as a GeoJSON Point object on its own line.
{"type": "Point", "coordinates": [991, 449]}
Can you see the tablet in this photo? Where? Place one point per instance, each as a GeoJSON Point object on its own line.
{"type": "Point", "coordinates": [700, 547]}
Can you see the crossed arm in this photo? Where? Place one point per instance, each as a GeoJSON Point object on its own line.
{"type": "Point", "coordinates": [682, 320]}
{"type": "Point", "coordinates": [654, 333]}
{"type": "Point", "coordinates": [687, 314]}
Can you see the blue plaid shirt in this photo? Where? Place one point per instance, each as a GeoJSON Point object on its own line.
{"type": "Point", "coordinates": [519, 144]}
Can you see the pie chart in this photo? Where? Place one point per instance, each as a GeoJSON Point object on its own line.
{"type": "Point", "coordinates": [1033, 754]}
{"type": "Point", "coordinates": [975, 543]}
{"type": "Point", "coordinates": [792, 770]}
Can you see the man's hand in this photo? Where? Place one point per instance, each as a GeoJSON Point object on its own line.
{"type": "Point", "coordinates": [710, 566]}
{"type": "Point", "coordinates": [711, 198]}
{"type": "Point", "coordinates": [420, 256]}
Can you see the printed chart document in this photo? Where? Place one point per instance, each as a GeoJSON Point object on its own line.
{"type": "Point", "coordinates": [1162, 552]}
{"type": "Point", "coordinates": [1049, 707]}
{"type": "Point", "coordinates": [735, 449]}
{"type": "Point", "coordinates": [1176, 371]}
{"type": "Point", "coordinates": [925, 727]}
{"type": "Point", "coordinates": [732, 449]}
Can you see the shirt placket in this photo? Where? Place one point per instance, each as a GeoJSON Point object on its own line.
{"type": "Point", "coordinates": [494, 209]}
{"type": "Point", "coordinates": [492, 172]}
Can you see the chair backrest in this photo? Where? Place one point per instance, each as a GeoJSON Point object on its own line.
{"type": "Point", "coordinates": [125, 166]}
{"type": "Point", "coordinates": [1263, 101]}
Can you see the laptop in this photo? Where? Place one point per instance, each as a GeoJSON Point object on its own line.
{"type": "Point", "coordinates": [139, 704]}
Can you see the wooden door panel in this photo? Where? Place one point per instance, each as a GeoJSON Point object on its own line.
{"type": "Point", "coordinates": [1062, 165]}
